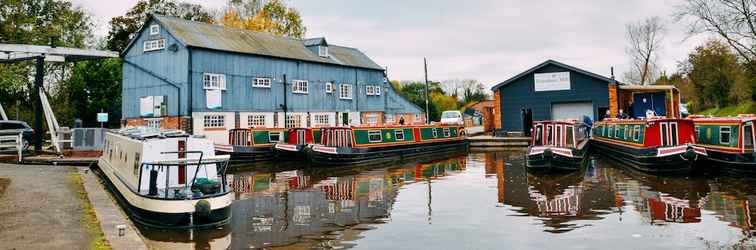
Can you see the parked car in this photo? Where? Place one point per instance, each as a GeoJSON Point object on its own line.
{"type": "Point", "coordinates": [28, 132]}
{"type": "Point", "coordinates": [452, 117]}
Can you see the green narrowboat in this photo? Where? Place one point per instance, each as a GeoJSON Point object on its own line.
{"type": "Point", "coordinates": [251, 144]}
{"type": "Point", "coordinates": [380, 144]}
{"type": "Point", "coordinates": [729, 142]}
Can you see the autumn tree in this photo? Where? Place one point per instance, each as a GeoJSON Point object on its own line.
{"type": "Point", "coordinates": [644, 42]}
{"type": "Point", "coordinates": [124, 28]}
{"type": "Point", "coordinates": [270, 16]}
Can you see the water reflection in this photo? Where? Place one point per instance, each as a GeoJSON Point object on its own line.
{"type": "Point", "coordinates": [477, 201]}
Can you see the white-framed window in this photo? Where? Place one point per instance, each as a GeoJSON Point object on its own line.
{"type": "Point", "coordinates": [673, 134]}
{"type": "Point", "coordinates": [399, 134]}
{"type": "Point", "coordinates": [375, 136]}
{"type": "Point", "coordinates": [321, 119]}
{"type": "Point", "coordinates": [636, 133]}
{"type": "Point", "coordinates": [274, 136]}
{"type": "Point", "coordinates": [214, 121]}
{"type": "Point", "coordinates": [299, 87]}
{"type": "Point", "coordinates": [153, 123]}
{"type": "Point", "coordinates": [388, 119]}
{"type": "Point", "coordinates": [370, 90]}
{"type": "Point", "coordinates": [261, 82]}
{"type": "Point", "coordinates": [214, 81]}
{"type": "Point", "coordinates": [435, 132]}
{"type": "Point", "coordinates": [345, 91]}
{"type": "Point", "coordinates": [724, 135]}
{"type": "Point", "coordinates": [329, 87]}
{"type": "Point", "coordinates": [377, 90]}
{"type": "Point", "coordinates": [151, 45]}
{"type": "Point", "coordinates": [323, 51]}
{"type": "Point", "coordinates": [611, 131]}
{"type": "Point", "coordinates": [152, 106]}
{"type": "Point", "coordinates": [447, 132]}
{"type": "Point", "coordinates": [664, 134]}
{"type": "Point", "coordinates": [154, 29]}
{"type": "Point", "coordinates": [256, 121]}
{"type": "Point", "coordinates": [293, 121]}
{"type": "Point", "coordinates": [372, 119]}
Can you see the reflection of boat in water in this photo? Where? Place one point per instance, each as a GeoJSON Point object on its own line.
{"type": "Point", "coordinates": [303, 208]}
{"type": "Point", "coordinates": [215, 238]}
{"type": "Point", "coordinates": [167, 178]}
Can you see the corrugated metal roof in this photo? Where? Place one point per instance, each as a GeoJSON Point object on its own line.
{"type": "Point", "coordinates": [203, 35]}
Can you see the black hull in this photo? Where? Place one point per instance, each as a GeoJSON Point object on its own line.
{"type": "Point", "coordinates": [371, 156]}
{"type": "Point", "coordinates": [738, 163]}
{"type": "Point", "coordinates": [243, 154]}
{"type": "Point", "coordinates": [554, 162]}
{"type": "Point", "coordinates": [287, 155]}
{"type": "Point", "coordinates": [645, 160]}
{"type": "Point", "coordinates": [217, 217]}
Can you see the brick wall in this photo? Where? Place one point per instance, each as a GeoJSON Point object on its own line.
{"type": "Point", "coordinates": [497, 109]}
{"type": "Point", "coordinates": [174, 122]}
{"type": "Point", "coordinates": [378, 115]}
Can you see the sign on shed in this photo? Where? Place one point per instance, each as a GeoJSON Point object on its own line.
{"type": "Point", "coordinates": [552, 81]}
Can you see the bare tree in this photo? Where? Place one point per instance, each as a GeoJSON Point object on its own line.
{"type": "Point", "coordinates": [732, 20]}
{"type": "Point", "coordinates": [644, 42]}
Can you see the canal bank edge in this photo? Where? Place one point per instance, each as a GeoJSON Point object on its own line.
{"type": "Point", "coordinates": [108, 217]}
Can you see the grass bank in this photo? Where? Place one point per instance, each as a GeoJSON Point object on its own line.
{"type": "Point", "coordinates": [88, 217]}
{"type": "Point", "coordinates": [743, 108]}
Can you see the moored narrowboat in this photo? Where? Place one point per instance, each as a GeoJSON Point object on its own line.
{"type": "Point", "coordinates": [372, 145]}
{"type": "Point", "coordinates": [558, 145]}
{"type": "Point", "coordinates": [251, 144]}
{"type": "Point", "coordinates": [664, 145]}
{"type": "Point", "coordinates": [297, 139]}
{"type": "Point", "coordinates": [167, 179]}
{"type": "Point", "coordinates": [729, 142]}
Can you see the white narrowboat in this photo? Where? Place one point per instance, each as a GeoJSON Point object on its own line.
{"type": "Point", "coordinates": [166, 178]}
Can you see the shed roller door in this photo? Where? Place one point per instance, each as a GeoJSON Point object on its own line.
{"type": "Point", "coordinates": [574, 110]}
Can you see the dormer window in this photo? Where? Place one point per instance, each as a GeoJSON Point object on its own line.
{"type": "Point", "coordinates": [154, 29]}
{"type": "Point", "coordinates": [323, 51]}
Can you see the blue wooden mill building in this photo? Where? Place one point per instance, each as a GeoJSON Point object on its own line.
{"type": "Point", "coordinates": [208, 79]}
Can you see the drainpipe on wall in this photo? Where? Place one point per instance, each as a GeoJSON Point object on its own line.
{"type": "Point", "coordinates": [190, 91]}
{"type": "Point", "coordinates": [357, 97]}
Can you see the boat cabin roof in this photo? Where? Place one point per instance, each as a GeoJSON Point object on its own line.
{"type": "Point", "coordinates": [738, 119]}
{"type": "Point", "coordinates": [641, 121]}
{"type": "Point", "coordinates": [565, 122]}
{"type": "Point", "coordinates": [143, 133]}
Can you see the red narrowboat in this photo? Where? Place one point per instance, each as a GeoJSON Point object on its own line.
{"type": "Point", "coordinates": [664, 145]}
{"type": "Point", "coordinates": [297, 139]}
{"type": "Point", "coordinates": [729, 142]}
{"type": "Point", "coordinates": [558, 145]}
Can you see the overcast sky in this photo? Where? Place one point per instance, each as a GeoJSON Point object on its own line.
{"type": "Point", "coordinates": [488, 40]}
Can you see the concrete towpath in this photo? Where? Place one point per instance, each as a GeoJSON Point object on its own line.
{"type": "Point", "coordinates": [109, 215]}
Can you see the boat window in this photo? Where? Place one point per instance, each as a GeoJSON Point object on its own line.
{"type": "Point", "coordinates": [748, 138]}
{"type": "Point", "coordinates": [558, 139]}
{"type": "Point", "coordinates": [617, 132]}
{"type": "Point", "coordinates": [673, 134]}
{"type": "Point", "coordinates": [570, 136]}
{"type": "Point", "coordinates": [724, 135]}
{"type": "Point", "coordinates": [399, 134]}
{"type": "Point", "coordinates": [274, 136]}
{"type": "Point", "coordinates": [698, 131]}
{"type": "Point", "coordinates": [549, 130]}
{"type": "Point", "coordinates": [435, 133]}
{"type": "Point", "coordinates": [447, 132]}
{"type": "Point", "coordinates": [136, 163]}
{"type": "Point", "coordinates": [375, 136]}
{"type": "Point", "coordinates": [664, 134]}
{"type": "Point", "coordinates": [539, 135]}
{"type": "Point", "coordinates": [636, 133]}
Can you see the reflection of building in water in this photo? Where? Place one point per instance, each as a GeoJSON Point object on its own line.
{"type": "Point", "coordinates": [278, 209]}
{"type": "Point", "coordinates": [730, 209]}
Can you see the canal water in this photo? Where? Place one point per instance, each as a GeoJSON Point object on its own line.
{"type": "Point", "coordinates": [476, 201]}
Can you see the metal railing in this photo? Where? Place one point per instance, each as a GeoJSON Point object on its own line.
{"type": "Point", "coordinates": [13, 139]}
{"type": "Point", "coordinates": [221, 164]}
